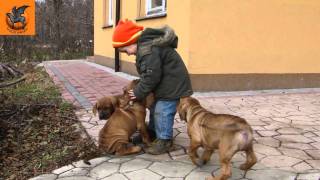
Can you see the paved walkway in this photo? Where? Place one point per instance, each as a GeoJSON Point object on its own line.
{"type": "Point", "coordinates": [286, 129]}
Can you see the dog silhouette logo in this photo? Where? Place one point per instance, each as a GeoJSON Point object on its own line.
{"type": "Point", "coordinates": [15, 19]}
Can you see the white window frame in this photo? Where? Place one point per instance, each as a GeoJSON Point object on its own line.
{"type": "Point", "coordinates": [150, 11]}
{"type": "Point", "coordinates": [110, 16]}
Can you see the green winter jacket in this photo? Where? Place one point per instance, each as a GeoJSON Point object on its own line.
{"type": "Point", "coordinates": [160, 67]}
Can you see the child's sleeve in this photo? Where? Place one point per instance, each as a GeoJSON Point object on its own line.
{"type": "Point", "coordinates": [150, 73]}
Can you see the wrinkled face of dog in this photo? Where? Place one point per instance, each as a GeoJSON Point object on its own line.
{"type": "Point", "coordinates": [184, 106]}
{"type": "Point", "coordinates": [105, 107]}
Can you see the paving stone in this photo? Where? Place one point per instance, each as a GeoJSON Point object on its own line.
{"type": "Point", "coordinates": [171, 169]}
{"type": "Point", "coordinates": [99, 160]}
{"type": "Point", "coordinates": [282, 120]}
{"type": "Point", "coordinates": [76, 178]}
{"type": "Point", "coordinates": [316, 145]}
{"type": "Point", "coordinates": [120, 160]}
{"type": "Point", "coordinates": [309, 134]}
{"type": "Point", "coordinates": [314, 163]}
{"type": "Point", "coordinates": [161, 157]}
{"type": "Point", "coordinates": [198, 174]}
{"type": "Point", "coordinates": [301, 146]}
{"type": "Point", "coordinates": [143, 174]}
{"type": "Point", "coordinates": [74, 172]}
{"type": "Point", "coordinates": [290, 131]}
{"type": "Point", "coordinates": [134, 165]}
{"type": "Point", "coordinates": [178, 152]}
{"type": "Point", "coordinates": [63, 169]}
{"type": "Point", "coordinates": [239, 156]}
{"type": "Point", "coordinates": [263, 149]}
{"type": "Point", "coordinates": [183, 158]}
{"type": "Point", "coordinates": [302, 167]}
{"type": "Point", "coordinates": [270, 174]}
{"type": "Point", "coordinates": [269, 141]}
{"type": "Point", "coordinates": [293, 138]}
{"type": "Point", "coordinates": [104, 170]}
{"type": "Point", "coordinates": [315, 154]}
{"type": "Point", "coordinates": [172, 179]}
{"type": "Point", "coordinates": [309, 176]}
{"type": "Point", "coordinates": [81, 164]}
{"type": "Point", "coordinates": [256, 123]}
{"type": "Point", "coordinates": [296, 153]}
{"type": "Point", "coordinates": [175, 132]}
{"type": "Point", "coordinates": [182, 129]}
{"type": "Point", "coordinates": [183, 136]}
{"type": "Point", "coordinates": [300, 118]}
{"type": "Point", "coordinates": [258, 128]}
{"type": "Point", "coordinates": [115, 177]}
{"type": "Point", "coordinates": [279, 161]}
{"type": "Point", "coordinates": [45, 177]}
{"type": "Point", "coordinates": [179, 124]}
{"type": "Point", "coordinates": [182, 142]}
{"type": "Point", "coordinates": [276, 125]}
{"type": "Point", "coordinates": [267, 133]}
{"type": "Point", "coordinates": [317, 139]}
{"type": "Point", "coordinates": [310, 123]}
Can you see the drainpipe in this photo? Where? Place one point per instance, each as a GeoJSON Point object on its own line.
{"type": "Point", "coordinates": [117, 55]}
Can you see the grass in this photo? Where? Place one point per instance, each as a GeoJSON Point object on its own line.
{"type": "Point", "coordinates": [42, 135]}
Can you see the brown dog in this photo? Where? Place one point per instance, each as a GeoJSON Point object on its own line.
{"type": "Point", "coordinates": [106, 106]}
{"type": "Point", "coordinates": [127, 119]}
{"type": "Point", "coordinates": [227, 133]}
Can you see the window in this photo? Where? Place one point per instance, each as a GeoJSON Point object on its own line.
{"type": "Point", "coordinates": [155, 7]}
{"type": "Point", "coordinates": [107, 13]}
{"type": "Point", "coordinates": [110, 19]}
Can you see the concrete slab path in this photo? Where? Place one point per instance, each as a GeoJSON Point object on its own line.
{"type": "Point", "coordinates": [286, 127]}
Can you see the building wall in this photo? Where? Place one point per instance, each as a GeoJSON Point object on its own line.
{"type": "Point", "coordinates": [233, 44]}
{"type": "Point", "coordinates": [177, 17]}
{"type": "Point", "coordinates": [256, 36]}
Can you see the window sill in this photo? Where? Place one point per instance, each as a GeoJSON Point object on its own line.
{"type": "Point", "coordinates": [151, 17]}
{"type": "Point", "coordinates": [107, 26]}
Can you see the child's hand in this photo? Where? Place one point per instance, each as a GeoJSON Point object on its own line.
{"type": "Point", "coordinates": [131, 94]}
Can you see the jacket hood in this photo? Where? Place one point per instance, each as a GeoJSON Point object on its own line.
{"type": "Point", "coordinates": [164, 36]}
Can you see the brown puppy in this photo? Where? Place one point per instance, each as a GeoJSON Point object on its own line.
{"type": "Point", "coordinates": [127, 119]}
{"type": "Point", "coordinates": [227, 133]}
{"type": "Point", "coordinates": [106, 106]}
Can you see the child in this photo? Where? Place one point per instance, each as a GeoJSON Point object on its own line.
{"type": "Point", "coordinates": [161, 71]}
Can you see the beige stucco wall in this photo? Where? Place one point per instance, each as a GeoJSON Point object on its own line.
{"type": "Point", "coordinates": [233, 36]}
{"type": "Point", "coordinates": [178, 18]}
{"type": "Point", "coordinates": [102, 37]}
{"type": "Point", "coordinates": [256, 36]}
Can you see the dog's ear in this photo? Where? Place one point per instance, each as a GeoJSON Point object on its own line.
{"type": "Point", "coordinates": [95, 109]}
{"type": "Point", "coordinates": [182, 109]}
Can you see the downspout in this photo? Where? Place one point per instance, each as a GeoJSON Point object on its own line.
{"type": "Point", "coordinates": [116, 51]}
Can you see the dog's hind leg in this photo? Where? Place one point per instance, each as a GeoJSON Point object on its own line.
{"type": "Point", "coordinates": [194, 145]}
{"type": "Point", "coordinates": [251, 158]}
{"type": "Point", "coordinates": [226, 152]}
{"type": "Point", "coordinates": [125, 150]}
{"type": "Point", "coordinates": [141, 126]}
